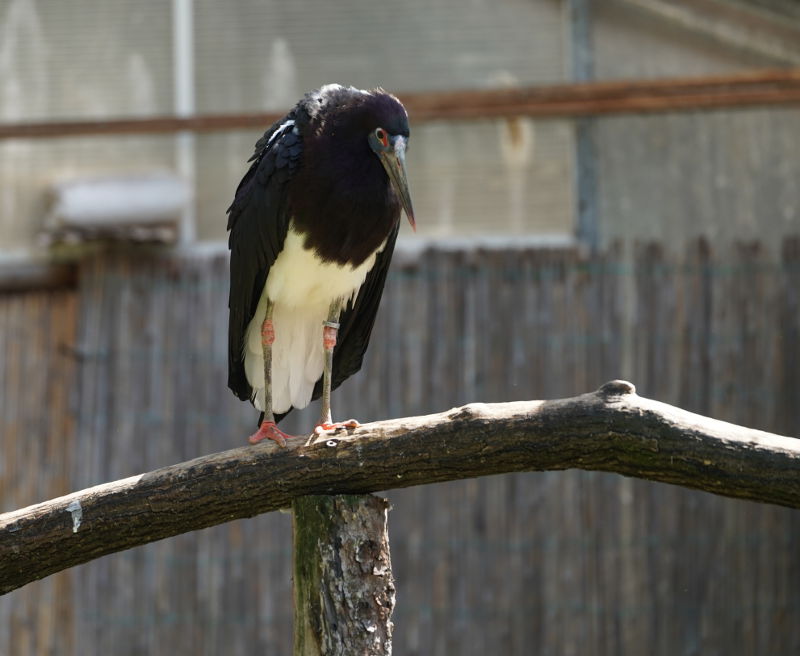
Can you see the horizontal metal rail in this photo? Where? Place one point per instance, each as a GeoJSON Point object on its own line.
{"type": "Point", "coordinates": [760, 88]}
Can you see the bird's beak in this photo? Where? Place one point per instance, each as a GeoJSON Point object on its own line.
{"type": "Point", "coordinates": [394, 161]}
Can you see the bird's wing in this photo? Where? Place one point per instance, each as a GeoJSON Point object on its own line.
{"type": "Point", "coordinates": [355, 323]}
{"type": "Point", "coordinates": [258, 220]}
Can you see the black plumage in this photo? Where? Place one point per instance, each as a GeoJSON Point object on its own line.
{"type": "Point", "coordinates": [331, 172]}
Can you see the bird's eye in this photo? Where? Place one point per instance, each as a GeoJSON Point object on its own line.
{"type": "Point", "coordinates": [382, 137]}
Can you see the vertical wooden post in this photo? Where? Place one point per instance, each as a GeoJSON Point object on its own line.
{"type": "Point", "coordinates": [343, 586]}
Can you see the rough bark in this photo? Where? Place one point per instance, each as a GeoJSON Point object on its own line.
{"type": "Point", "coordinates": [343, 585]}
{"type": "Point", "coordinates": [611, 429]}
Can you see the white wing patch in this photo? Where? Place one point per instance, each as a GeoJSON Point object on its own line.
{"type": "Point", "coordinates": [279, 132]}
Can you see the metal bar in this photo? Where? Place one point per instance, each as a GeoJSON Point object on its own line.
{"type": "Point", "coordinates": [151, 125]}
{"type": "Point", "coordinates": [184, 106]}
{"type": "Point", "coordinates": [585, 170]}
{"type": "Point", "coordinates": [761, 88]}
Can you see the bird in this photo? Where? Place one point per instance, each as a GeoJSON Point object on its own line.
{"type": "Point", "coordinates": [312, 228]}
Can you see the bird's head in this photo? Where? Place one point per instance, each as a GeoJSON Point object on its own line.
{"type": "Point", "coordinates": [351, 123]}
{"type": "Point", "coordinates": [388, 140]}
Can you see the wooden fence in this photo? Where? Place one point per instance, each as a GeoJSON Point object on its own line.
{"type": "Point", "coordinates": [126, 373]}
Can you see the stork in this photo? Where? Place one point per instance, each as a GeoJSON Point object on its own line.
{"type": "Point", "coordinates": [312, 228]}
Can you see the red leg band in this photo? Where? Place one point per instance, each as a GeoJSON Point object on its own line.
{"type": "Point", "coordinates": [329, 337]}
{"type": "Point", "coordinates": [267, 332]}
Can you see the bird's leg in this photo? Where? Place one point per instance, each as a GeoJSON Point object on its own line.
{"type": "Point", "coordinates": [330, 329]}
{"type": "Point", "coordinates": [268, 429]}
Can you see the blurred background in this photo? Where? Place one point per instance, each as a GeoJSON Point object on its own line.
{"type": "Point", "coordinates": [557, 249]}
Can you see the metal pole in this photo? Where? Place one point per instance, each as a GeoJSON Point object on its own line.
{"type": "Point", "coordinates": [183, 77]}
{"type": "Point", "coordinates": [587, 228]}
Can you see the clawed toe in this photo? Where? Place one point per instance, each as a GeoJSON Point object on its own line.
{"type": "Point", "coordinates": [327, 427]}
{"type": "Point", "coordinates": [269, 431]}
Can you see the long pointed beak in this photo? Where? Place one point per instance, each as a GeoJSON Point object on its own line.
{"type": "Point", "coordinates": [394, 161]}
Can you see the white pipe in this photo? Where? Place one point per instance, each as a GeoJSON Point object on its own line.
{"type": "Point", "coordinates": [184, 88]}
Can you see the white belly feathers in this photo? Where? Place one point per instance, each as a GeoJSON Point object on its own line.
{"type": "Point", "coordinates": [302, 287]}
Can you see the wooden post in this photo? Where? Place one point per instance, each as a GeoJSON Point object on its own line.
{"type": "Point", "coordinates": [343, 586]}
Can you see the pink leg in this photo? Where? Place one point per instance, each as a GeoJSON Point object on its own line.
{"type": "Point", "coordinates": [268, 429]}
{"type": "Point", "coordinates": [329, 332]}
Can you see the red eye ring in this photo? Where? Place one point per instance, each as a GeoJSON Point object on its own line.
{"type": "Point", "coordinates": [382, 137]}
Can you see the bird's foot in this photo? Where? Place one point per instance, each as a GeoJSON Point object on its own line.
{"type": "Point", "coordinates": [331, 427]}
{"type": "Point", "coordinates": [325, 427]}
{"type": "Point", "coordinates": [269, 431]}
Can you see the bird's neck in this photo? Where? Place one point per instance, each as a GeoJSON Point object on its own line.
{"type": "Point", "coordinates": [345, 207]}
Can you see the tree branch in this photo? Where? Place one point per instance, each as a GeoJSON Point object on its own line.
{"type": "Point", "coordinates": [611, 429]}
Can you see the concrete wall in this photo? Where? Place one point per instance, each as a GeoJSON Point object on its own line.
{"type": "Point", "coordinates": [109, 59]}
{"type": "Point", "coordinates": [727, 175]}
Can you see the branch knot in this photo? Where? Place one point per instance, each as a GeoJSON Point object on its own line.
{"type": "Point", "coordinates": [616, 388]}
